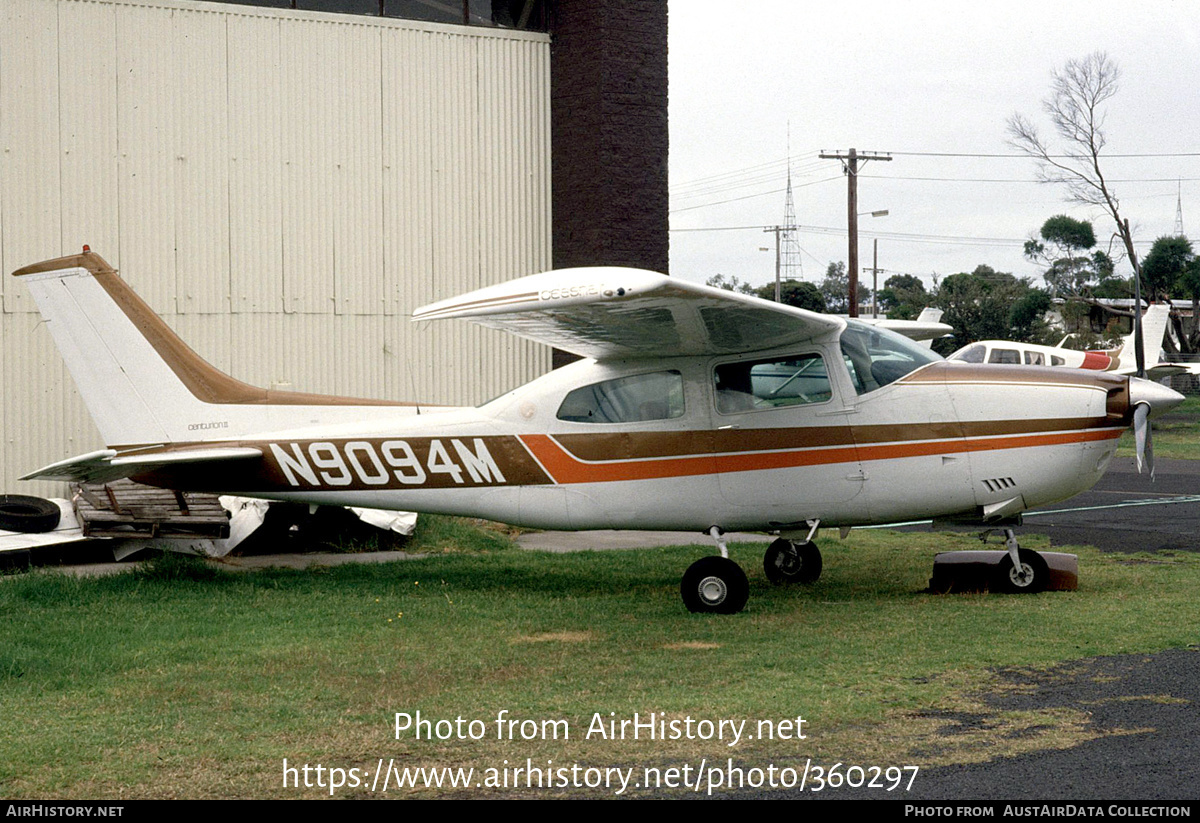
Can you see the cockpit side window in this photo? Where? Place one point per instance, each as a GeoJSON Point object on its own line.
{"type": "Point", "coordinates": [973, 353]}
{"type": "Point", "coordinates": [634, 399]}
{"type": "Point", "coordinates": [1010, 357]}
{"type": "Point", "coordinates": [876, 357]}
{"type": "Point", "coordinates": [792, 380]}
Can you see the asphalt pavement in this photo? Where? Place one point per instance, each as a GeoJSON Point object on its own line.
{"type": "Point", "coordinates": [1145, 709]}
{"type": "Point", "coordinates": [1129, 512]}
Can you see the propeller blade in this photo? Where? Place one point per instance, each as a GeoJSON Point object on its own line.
{"type": "Point", "coordinates": [1142, 438]}
{"type": "Point", "coordinates": [1150, 450]}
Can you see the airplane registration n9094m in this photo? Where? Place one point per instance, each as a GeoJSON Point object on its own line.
{"type": "Point", "coordinates": [694, 408]}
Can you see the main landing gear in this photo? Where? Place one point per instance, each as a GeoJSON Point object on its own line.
{"type": "Point", "coordinates": [717, 585]}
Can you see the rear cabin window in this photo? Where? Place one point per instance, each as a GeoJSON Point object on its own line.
{"type": "Point", "coordinates": [655, 396]}
{"type": "Point", "coordinates": [768, 384]}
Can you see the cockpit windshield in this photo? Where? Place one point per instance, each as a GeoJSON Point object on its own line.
{"type": "Point", "coordinates": [877, 357]}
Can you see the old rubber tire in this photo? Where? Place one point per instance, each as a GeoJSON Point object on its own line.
{"type": "Point", "coordinates": [21, 513]}
{"type": "Point", "coordinates": [788, 562]}
{"type": "Point", "coordinates": [1033, 578]}
{"type": "Point", "coordinates": [714, 585]}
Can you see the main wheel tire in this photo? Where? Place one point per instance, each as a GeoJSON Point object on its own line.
{"type": "Point", "coordinates": [788, 562]}
{"type": "Point", "coordinates": [714, 585]}
{"type": "Point", "coordinates": [1031, 578]}
{"type": "Point", "coordinates": [22, 513]}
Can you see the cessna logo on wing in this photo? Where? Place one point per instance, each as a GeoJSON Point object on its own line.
{"type": "Point", "coordinates": [437, 462]}
{"type": "Point", "coordinates": [571, 291]}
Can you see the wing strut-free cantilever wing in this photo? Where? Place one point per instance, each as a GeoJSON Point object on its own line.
{"type": "Point", "coordinates": [609, 312]}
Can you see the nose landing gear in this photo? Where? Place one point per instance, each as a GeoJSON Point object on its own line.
{"type": "Point", "coordinates": [790, 562]}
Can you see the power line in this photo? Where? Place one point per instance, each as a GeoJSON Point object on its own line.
{"type": "Point", "coordinates": [1014, 180]}
{"type": "Point", "coordinates": [1027, 157]}
{"type": "Point", "coordinates": [750, 196]}
{"type": "Point", "coordinates": [910, 237]}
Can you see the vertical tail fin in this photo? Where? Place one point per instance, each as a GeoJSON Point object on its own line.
{"type": "Point", "coordinates": [1154, 328]}
{"type": "Point", "coordinates": [141, 383]}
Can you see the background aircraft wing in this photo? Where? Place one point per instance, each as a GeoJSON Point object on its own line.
{"type": "Point", "coordinates": [619, 312]}
{"type": "Point", "coordinates": [912, 329]}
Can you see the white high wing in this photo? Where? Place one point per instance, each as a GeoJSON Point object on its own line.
{"type": "Point", "coordinates": [695, 408]}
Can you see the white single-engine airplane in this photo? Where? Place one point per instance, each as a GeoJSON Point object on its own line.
{"type": "Point", "coordinates": [1121, 360]}
{"type": "Point", "coordinates": [696, 408]}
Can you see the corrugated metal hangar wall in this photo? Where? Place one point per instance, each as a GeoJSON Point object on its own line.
{"type": "Point", "coordinates": [283, 187]}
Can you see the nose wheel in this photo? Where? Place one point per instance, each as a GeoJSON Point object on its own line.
{"type": "Point", "coordinates": [1021, 571]}
{"type": "Point", "coordinates": [1028, 576]}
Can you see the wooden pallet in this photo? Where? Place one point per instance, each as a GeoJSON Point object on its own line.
{"type": "Point", "coordinates": [123, 508]}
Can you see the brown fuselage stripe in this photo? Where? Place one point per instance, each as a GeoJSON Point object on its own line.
{"type": "Point", "coordinates": [642, 445]}
{"type": "Point", "coordinates": [954, 372]}
{"type": "Point", "coordinates": [424, 462]}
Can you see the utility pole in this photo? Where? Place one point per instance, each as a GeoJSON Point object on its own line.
{"type": "Point", "coordinates": [875, 280]}
{"type": "Point", "coordinates": [850, 162]}
{"type": "Point", "coordinates": [777, 231]}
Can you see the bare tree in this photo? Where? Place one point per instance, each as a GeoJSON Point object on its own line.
{"type": "Point", "coordinates": [1076, 108]}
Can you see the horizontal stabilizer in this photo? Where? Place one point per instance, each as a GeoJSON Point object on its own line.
{"type": "Point", "coordinates": [105, 465]}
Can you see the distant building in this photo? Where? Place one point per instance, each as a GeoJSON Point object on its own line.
{"type": "Point", "coordinates": [286, 181]}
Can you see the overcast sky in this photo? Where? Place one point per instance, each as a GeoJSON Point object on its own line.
{"type": "Point", "coordinates": [914, 79]}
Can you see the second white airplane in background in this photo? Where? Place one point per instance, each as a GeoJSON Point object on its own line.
{"type": "Point", "coordinates": [1120, 360]}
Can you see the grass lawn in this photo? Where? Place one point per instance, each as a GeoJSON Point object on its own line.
{"type": "Point", "coordinates": [184, 681]}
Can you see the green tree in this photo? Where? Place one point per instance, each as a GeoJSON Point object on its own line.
{"type": "Point", "coordinates": [903, 296]}
{"type": "Point", "coordinates": [835, 288]}
{"type": "Point", "coordinates": [731, 283]}
{"type": "Point", "coordinates": [796, 293]}
{"type": "Point", "coordinates": [1064, 250]}
{"type": "Point", "coordinates": [990, 305]}
{"type": "Point", "coordinates": [1172, 265]}
{"type": "Point", "coordinates": [1079, 93]}
{"type": "Point", "coordinates": [1167, 261]}
{"type": "Point", "coordinates": [1189, 283]}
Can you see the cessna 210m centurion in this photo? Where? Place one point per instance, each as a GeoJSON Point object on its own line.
{"type": "Point", "coordinates": [696, 408]}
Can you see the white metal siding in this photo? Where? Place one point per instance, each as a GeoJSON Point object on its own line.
{"type": "Point", "coordinates": [284, 187]}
